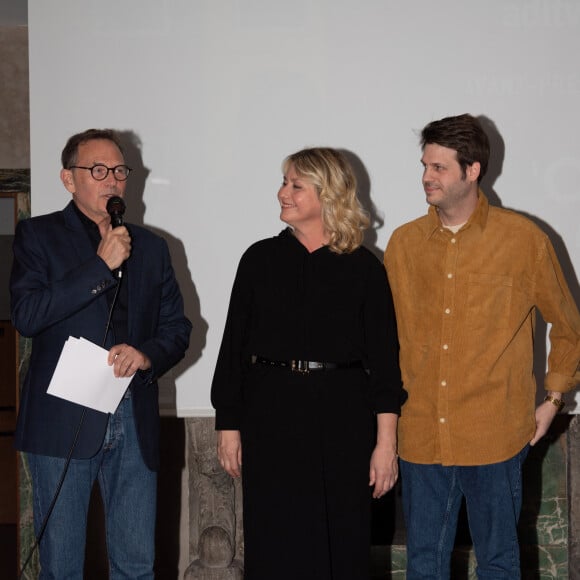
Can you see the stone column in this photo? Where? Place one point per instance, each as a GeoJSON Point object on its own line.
{"type": "Point", "coordinates": [215, 510]}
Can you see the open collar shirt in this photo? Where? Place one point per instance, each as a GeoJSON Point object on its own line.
{"type": "Point", "coordinates": [465, 305]}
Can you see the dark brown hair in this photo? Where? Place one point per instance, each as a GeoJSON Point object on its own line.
{"type": "Point", "coordinates": [70, 152]}
{"type": "Point", "coordinates": [465, 135]}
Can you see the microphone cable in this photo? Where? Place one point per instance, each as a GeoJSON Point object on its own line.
{"type": "Point", "coordinates": [74, 443]}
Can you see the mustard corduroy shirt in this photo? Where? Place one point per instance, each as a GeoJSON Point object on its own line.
{"type": "Point", "coordinates": [465, 306]}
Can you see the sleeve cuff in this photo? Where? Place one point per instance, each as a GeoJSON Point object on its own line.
{"type": "Point", "coordinates": [227, 419]}
{"type": "Point", "coordinates": [561, 383]}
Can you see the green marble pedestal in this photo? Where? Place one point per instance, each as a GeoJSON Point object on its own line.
{"type": "Point", "coordinates": [550, 472]}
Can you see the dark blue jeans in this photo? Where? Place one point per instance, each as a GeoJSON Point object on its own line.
{"type": "Point", "coordinates": [431, 500]}
{"type": "Point", "coordinates": [128, 489]}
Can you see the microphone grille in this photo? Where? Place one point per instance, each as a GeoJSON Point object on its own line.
{"type": "Point", "coordinates": [115, 205]}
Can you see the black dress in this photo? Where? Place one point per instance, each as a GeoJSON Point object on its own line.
{"type": "Point", "coordinates": [307, 438]}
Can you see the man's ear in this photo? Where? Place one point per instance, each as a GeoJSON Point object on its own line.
{"type": "Point", "coordinates": [473, 171]}
{"type": "Point", "coordinates": [66, 176]}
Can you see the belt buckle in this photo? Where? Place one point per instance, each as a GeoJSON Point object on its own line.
{"type": "Point", "coordinates": [299, 366]}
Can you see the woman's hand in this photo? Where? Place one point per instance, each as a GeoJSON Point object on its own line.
{"type": "Point", "coordinates": [384, 468]}
{"type": "Point", "coordinates": [229, 452]}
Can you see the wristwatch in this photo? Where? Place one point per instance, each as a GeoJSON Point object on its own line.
{"type": "Point", "coordinates": [556, 402]}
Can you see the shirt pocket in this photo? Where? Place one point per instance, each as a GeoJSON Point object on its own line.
{"type": "Point", "coordinates": [489, 298]}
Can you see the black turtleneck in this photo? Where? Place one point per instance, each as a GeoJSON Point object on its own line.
{"type": "Point", "coordinates": [119, 324]}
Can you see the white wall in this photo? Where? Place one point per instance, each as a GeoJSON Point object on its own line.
{"type": "Point", "coordinates": [220, 91]}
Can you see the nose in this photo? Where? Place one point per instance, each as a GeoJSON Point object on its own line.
{"type": "Point", "coordinates": [112, 183]}
{"type": "Point", "coordinates": [283, 191]}
{"type": "Point", "coordinates": [110, 177]}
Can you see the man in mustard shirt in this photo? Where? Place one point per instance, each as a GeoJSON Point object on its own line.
{"type": "Point", "coordinates": [466, 280]}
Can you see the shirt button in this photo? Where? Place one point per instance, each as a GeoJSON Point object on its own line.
{"type": "Point", "coordinates": [453, 240]}
{"type": "Point", "coordinates": [450, 275]}
{"type": "Point", "coordinates": [447, 311]}
{"type": "Point", "coordinates": [443, 383]}
{"type": "Point", "coordinates": [442, 420]}
{"type": "Point", "coordinates": [445, 347]}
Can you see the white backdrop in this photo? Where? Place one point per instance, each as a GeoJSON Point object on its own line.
{"type": "Point", "coordinates": [218, 92]}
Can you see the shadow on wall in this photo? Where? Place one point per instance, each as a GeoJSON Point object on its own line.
{"type": "Point", "coordinates": [135, 214]}
{"type": "Point", "coordinates": [364, 195]}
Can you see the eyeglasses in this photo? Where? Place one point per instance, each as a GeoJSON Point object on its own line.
{"type": "Point", "coordinates": [101, 172]}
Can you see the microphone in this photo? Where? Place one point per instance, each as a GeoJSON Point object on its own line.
{"type": "Point", "coordinates": [116, 209]}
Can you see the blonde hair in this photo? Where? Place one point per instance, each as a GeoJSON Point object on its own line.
{"type": "Point", "coordinates": [343, 216]}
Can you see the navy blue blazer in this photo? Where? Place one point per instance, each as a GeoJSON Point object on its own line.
{"type": "Point", "coordinates": [58, 289]}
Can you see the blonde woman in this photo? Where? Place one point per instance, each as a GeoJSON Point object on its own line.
{"type": "Point", "coordinates": [307, 388]}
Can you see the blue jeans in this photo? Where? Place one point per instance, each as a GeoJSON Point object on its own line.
{"type": "Point", "coordinates": [128, 489]}
{"type": "Point", "coordinates": [431, 501]}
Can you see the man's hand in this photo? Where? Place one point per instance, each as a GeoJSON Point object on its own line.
{"type": "Point", "coordinates": [126, 360]}
{"type": "Point", "coordinates": [115, 245]}
{"type": "Point", "coordinates": [545, 414]}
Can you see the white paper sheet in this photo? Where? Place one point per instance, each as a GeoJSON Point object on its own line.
{"type": "Point", "coordinates": [83, 376]}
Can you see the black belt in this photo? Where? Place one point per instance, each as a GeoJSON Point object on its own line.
{"type": "Point", "coordinates": [305, 366]}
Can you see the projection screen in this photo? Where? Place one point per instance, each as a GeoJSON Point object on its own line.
{"type": "Point", "coordinates": [211, 95]}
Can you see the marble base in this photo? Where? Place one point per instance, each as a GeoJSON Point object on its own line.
{"type": "Point", "coordinates": [543, 524]}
